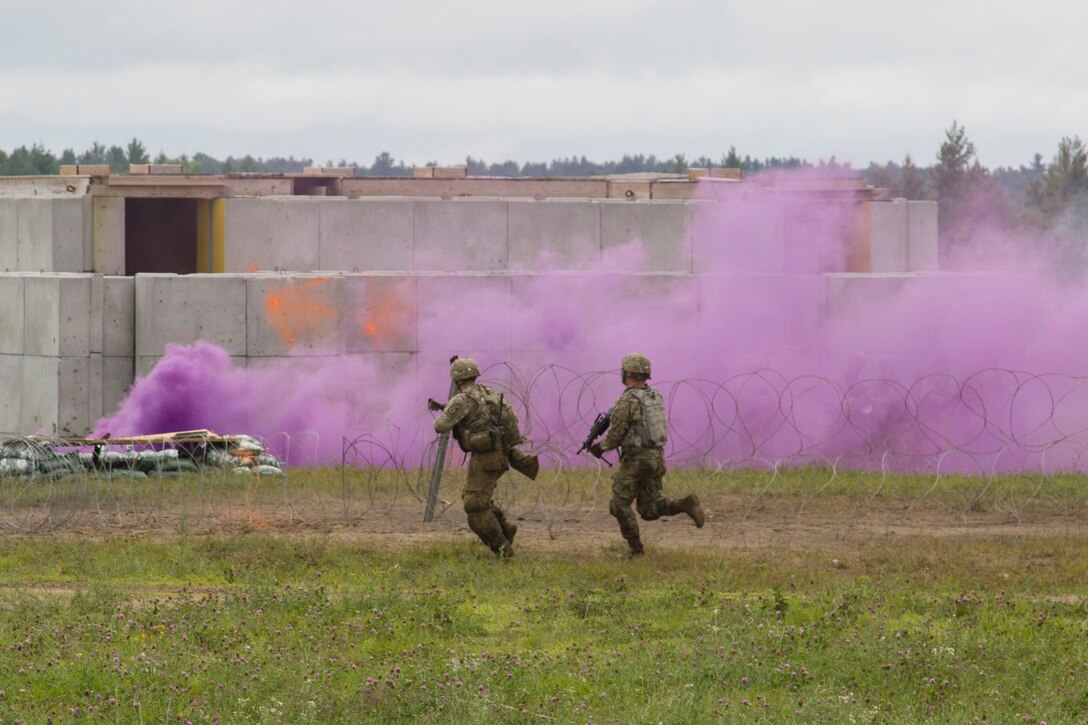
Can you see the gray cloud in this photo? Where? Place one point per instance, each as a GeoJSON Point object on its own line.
{"type": "Point", "coordinates": [532, 81]}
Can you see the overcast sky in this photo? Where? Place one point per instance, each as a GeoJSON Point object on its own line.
{"type": "Point", "coordinates": [532, 81]}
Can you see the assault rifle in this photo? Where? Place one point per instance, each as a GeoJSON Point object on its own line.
{"type": "Point", "coordinates": [600, 425]}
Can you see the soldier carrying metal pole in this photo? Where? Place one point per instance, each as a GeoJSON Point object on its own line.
{"type": "Point", "coordinates": [486, 428]}
{"type": "Point", "coordinates": [439, 459]}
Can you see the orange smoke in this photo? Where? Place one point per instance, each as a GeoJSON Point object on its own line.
{"type": "Point", "coordinates": [298, 313]}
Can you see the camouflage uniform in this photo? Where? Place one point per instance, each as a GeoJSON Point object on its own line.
{"type": "Point", "coordinates": [469, 416]}
{"type": "Point", "coordinates": [637, 427]}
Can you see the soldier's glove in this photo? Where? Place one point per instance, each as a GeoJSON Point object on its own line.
{"type": "Point", "coordinates": [596, 451]}
{"type": "Point", "coordinates": [433, 404]}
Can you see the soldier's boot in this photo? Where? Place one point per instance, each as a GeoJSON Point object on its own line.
{"type": "Point", "coordinates": [625, 517]}
{"type": "Point", "coordinates": [634, 546]}
{"type": "Point", "coordinates": [691, 506]}
{"type": "Point", "coordinates": [486, 526]}
{"type": "Point", "coordinates": [509, 528]}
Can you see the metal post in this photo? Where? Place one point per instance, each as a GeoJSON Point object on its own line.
{"type": "Point", "coordinates": [439, 463]}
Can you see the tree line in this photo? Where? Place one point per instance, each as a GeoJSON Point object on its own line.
{"type": "Point", "coordinates": [1049, 195]}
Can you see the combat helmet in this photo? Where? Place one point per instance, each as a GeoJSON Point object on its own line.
{"type": "Point", "coordinates": [636, 363]}
{"type": "Point", "coordinates": [464, 368]}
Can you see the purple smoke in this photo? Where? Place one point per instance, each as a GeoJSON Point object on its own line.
{"type": "Point", "coordinates": [974, 369]}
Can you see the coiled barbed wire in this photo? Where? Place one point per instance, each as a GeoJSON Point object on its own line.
{"type": "Point", "coordinates": [939, 426]}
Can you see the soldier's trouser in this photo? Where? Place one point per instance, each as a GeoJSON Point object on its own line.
{"type": "Point", "coordinates": [639, 480]}
{"type": "Point", "coordinates": [484, 471]}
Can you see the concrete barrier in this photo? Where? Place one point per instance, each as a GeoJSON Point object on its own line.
{"type": "Point", "coordinates": [464, 235]}
{"type": "Point", "coordinates": [380, 313]}
{"type": "Point", "coordinates": [473, 309]}
{"type": "Point", "coordinates": [108, 235]}
{"type": "Point", "coordinates": [922, 236]}
{"type": "Point", "coordinates": [663, 229]}
{"type": "Point", "coordinates": [271, 234]}
{"type": "Point", "coordinates": [737, 237]}
{"type": "Point", "coordinates": [40, 407]}
{"type": "Point", "coordinates": [9, 235]}
{"type": "Point", "coordinates": [365, 235]}
{"type": "Point", "coordinates": [118, 373]}
{"type": "Point", "coordinates": [293, 315]}
{"type": "Point", "coordinates": [11, 393]}
{"type": "Point", "coordinates": [119, 316]}
{"type": "Point", "coordinates": [53, 235]}
{"type": "Point", "coordinates": [184, 309]}
{"type": "Point", "coordinates": [58, 309]}
{"type": "Point", "coordinates": [889, 236]}
{"type": "Point", "coordinates": [554, 236]}
{"type": "Point", "coordinates": [11, 314]}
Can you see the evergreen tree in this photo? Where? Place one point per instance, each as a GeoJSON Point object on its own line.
{"type": "Point", "coordinates": [137, 153]}
{"type": "Point", "coordinates": [910, 184]}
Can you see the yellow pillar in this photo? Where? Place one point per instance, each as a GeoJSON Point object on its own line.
{"type": "Point", "coordinates": [219, 234]}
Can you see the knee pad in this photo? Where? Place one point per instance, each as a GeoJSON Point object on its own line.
{"type": "Point", "coordinates": [619, 509]}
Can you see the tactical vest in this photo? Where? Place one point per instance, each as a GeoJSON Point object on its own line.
{"type": "Point", "coordinates": [490, 425]}
{"type": "Point", "coordinates": [648, 429]}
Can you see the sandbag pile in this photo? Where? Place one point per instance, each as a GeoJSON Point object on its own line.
{"type": "Point", "coordinates": [137, 457]}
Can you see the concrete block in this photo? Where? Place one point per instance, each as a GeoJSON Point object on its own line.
{"type": "Point", "coordinates": [860, 311]}
{"type": "Point", "coordinates": [41, 395]}
{"type": "Point", "coordinates": [9, 235]}
{"type": "Point", "coordinates": [74, 390]}
{"type": "Point", "coordinates": [629, 190]}
{"type": "Point", "coordinates": [119, 316]}
{"type": "Point", "coordinates": [57, 314]}
{"type": "Point", "coordinates": [184, 309]}
{"type": "Point", "coordinates": [294, 315]}
{"type": "Point", "coordinates": [366, 235]}
{"type": "Point", "coordinates": [94, 169]}
{"type": "Point", "coordinates": [473, 312]}
{"type": "Point", "coordinates": [69, 169]}
{"type": "Point", "coordinates": [35, 235]}
{"type": "Point", "coordinates": [50, 234]}
{"type": "Point", "coordinates": [555, 235]}
{"type": "Point", "coordinates": [889, 240]}
{"type": "Point", "coordinates": [922, 236]}
{"type": "Point", "coordinates": [772, 315]}
{"type": "Point", "coordinates": [11, 392]}
{"type": "Point", "coordinates": [817, 236]}
{"type": "Point", "coordinates": [139, 169]}
{"type": "Point", "coordinates": [94, 401]}
{"type": "Point", "coordinates": [163, 169]}
{"type": "Point", "coordinates": [737, 237]}
{"type": "Point", "coordinates": [450, 172]}
{"type": "Point", "coordinates": [108, 235]}
{"type": "Point", "coordinates": [423, 172]}
{"type": "Point", "coordinates": [118, 374]}
{"type": "Point", "coordinates": [380, 313]}
{"type": "Point", "coordinates": [271, 234]}
{"type": "Point", "coordinates": [550, 315]}
{"type": "Point", "coordinates": [97, 322]}
{"type": "Point", "coordinates": [645, 236]}
{"type": "Point", "coordinates": [11, 314]}
{"type": "Point", "coordinates": [463, 235]}
{"type": "Point", "coordinates": [144, 365]}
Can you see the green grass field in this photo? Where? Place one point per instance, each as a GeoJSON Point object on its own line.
{"type": "Point", "coordinates": [134, 625]}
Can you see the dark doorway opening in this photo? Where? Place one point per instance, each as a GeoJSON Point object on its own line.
{"type": "Point", "coordinates": [160, 235]}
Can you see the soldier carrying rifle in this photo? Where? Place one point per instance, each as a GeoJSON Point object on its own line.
{"type": "Point", "coordinates": [636, 425]}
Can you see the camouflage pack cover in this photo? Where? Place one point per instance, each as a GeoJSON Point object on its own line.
{"type": "Point", "coordinates": [637, 363]}
{"type": "Point", "coordinates": [650, 429]}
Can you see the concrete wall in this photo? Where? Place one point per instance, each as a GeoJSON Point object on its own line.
{"type": "Point", "coordinates": [45, 234]}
